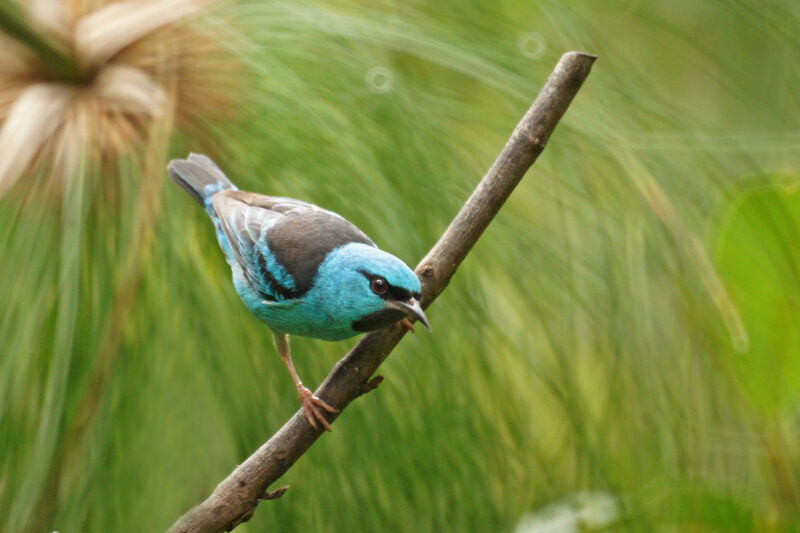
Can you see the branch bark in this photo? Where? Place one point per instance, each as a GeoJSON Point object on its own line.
{"type": "Point", "coordinates": [235, 499]}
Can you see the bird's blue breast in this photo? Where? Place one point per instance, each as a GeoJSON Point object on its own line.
{"type": "Point", "coordinates": [307, 316]}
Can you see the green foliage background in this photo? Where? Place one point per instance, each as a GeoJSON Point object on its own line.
{"type": "Point", "coordinates": [629, 323]}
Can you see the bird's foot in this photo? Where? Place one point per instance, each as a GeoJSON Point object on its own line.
{"type": "Point", "coordinates": [312, 405]}
{"type": "Point", "coordinates": [406, 324]}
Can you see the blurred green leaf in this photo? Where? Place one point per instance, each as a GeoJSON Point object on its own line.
{"type": "Point", "coordinates": [759, 258]}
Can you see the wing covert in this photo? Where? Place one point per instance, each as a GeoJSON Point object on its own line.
{"type": "Point", "coordinates": [280, 242]}
{"type": "Point", "coordinates": [246, 228]}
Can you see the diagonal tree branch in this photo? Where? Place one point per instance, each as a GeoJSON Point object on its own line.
{"type": "Point", "coordinates": [235, 499]}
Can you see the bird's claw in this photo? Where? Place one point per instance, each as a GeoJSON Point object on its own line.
{"type": "Point", "coordinates": [311, 405]}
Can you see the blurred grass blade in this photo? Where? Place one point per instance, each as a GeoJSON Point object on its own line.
{"type": "Point", "coordinates": [691, 245]}
{"type": "Point", "coordinates": [72, 162]}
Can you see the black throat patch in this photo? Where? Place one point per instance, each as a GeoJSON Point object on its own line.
{"type": "Point", "coordinates": [378, 320]}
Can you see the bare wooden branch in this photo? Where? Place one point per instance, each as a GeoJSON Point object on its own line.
{"type": "Point", "coordinates": [234, 500]}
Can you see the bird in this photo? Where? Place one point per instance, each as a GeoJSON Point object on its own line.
{"type": "Point", "coordinates": [301, 269]}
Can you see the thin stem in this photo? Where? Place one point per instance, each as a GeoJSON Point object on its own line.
{"type": "Point", "coordinates": [56, 61]}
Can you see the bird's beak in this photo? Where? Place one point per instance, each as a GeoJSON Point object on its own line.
{"type": "Point", "coordinates": [412, 308]}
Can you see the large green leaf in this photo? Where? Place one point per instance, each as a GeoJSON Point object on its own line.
{"type": "Point", "coordinates": [758, 257]}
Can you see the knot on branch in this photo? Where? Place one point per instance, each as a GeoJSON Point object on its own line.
{"type": "Point", "coordinates": [275, 494]}
{"type": "Point", "coordinates": [426, 271]}
{"type": "Point", "coordinates": [536, 143]}
{"type": "Point", "coordinates": [369, 386]}
{"type": "Point", "coordinates": [248, 514]}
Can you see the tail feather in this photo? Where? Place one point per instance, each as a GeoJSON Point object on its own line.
{"type": "Point", "coordinates": [200, 177]}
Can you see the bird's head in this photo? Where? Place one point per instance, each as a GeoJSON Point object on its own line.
{"type": "Point", "coordinates": [368, 288]}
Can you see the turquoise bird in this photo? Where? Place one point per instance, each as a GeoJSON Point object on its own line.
{"type": "Point", "coordinates": [301, 269]}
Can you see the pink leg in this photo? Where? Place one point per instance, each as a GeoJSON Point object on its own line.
{"type": "Point", "coordinates": [311, 403]}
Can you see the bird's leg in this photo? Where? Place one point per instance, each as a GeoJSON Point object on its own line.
{"type": "Point", "coordinates": [310, 402]}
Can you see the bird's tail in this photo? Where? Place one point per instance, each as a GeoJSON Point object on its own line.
{"type": "Point", "coordinates": [200, 177]}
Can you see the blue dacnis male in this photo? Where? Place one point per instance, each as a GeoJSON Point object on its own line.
{"type": "Point", "coordinates": [300, 269]}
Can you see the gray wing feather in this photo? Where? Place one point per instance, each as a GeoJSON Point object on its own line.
{"type": "Point", "coordinates": [300, 237]}
{"type": "Point", "coordinates": [246, 227]}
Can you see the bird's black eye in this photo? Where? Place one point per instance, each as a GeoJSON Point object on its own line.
{"type": "Point", "coordinates": [379, 285]}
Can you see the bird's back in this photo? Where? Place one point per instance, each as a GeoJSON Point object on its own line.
{"type": "Point", "coordinates": [280, 242]}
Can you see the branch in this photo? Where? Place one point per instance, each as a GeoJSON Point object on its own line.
{"type": "Point", "coordinates": [234, 500]}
